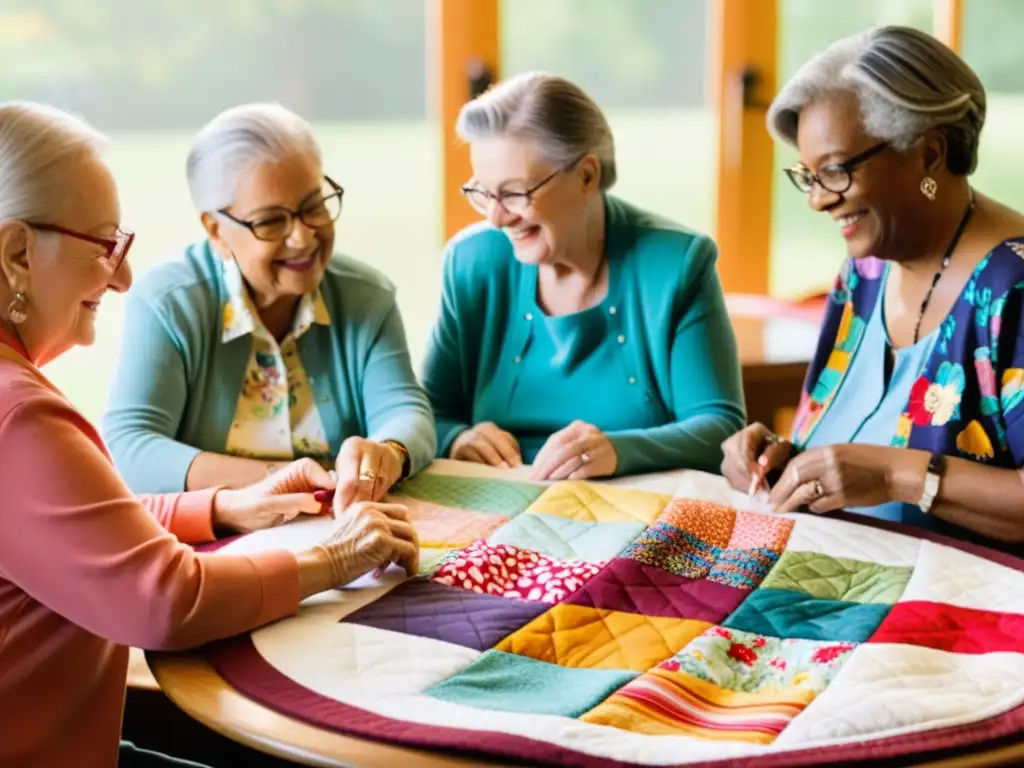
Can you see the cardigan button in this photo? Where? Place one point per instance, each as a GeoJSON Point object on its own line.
{"type": "Point", "coordinates": [517, 359]}
{"type": "Point", "coordinates": [632, 379]}
{"type": "Point", "coordinates": [612, 310]}
{"type": "Point", "coordinates": [529, 316]}
{"type": "Point", "coordinates": [621, 339]}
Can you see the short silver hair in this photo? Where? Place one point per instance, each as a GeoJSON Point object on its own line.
{"type": "Point", "coordinates": [228, 146]}
{"type": "Point", "coordinates": [37, 142]}
{"type": "Point", "coordinates": [557, 115]}
{"type": "Point", "coordinates": [906, 81]}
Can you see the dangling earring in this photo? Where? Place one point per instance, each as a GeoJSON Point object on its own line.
{"type": "Point", "coordinates": [929, 187]}
{"type": "Point", "coordinates": [17, 310]}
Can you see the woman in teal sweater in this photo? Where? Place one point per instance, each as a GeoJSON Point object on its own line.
{"type": "Point", "coordinates": [577, 333]}
{"type": "Point", "coordinates": [259, 345]}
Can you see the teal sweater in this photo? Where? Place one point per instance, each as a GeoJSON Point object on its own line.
{"type": "Point", "coordinates": [654, 365]}
{"type": "Point", "coordinates": [177, 384]}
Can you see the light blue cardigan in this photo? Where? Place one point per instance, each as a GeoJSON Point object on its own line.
{"type": "Point", "coordinates": [176, 384]}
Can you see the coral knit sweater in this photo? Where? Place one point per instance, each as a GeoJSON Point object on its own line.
{"type": "Point", "coordinates": [87, 569]}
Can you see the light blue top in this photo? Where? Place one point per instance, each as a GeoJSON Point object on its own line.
{"type": "Point", "coordinates": [871, 399]}
{"type": "Point", "coordinates": [177, 382]}
{"type": "Point", "coordinates": [654, 365]}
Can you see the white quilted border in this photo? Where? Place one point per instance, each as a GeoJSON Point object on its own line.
{"type": "Point", "coordinates": [947, 575]}
{"type": "Point", "coordinates": [838, 538]}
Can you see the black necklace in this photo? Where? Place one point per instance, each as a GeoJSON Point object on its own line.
{"type": "Point", "coordinates": [945, 263]}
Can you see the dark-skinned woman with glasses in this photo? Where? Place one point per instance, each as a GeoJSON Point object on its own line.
{"type": "Point", "coordinates": [259, 344]}
{"type": "Point", "coordinates": [913, 404]}
{"type": "Point", "coordinates": [577, 332]}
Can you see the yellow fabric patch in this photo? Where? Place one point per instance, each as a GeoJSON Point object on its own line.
{"type": "Point", "coordinates": [591, 503]}
{"type": "Point", "coordinates": [597, 638]}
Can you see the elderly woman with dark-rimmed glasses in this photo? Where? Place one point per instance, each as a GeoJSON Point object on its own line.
{"type": "Point", "coordinates": [913, 405]}
{"type": "Point", "coordinates": [259, 344]}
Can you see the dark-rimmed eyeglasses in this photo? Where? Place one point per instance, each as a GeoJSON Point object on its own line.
{"type": "Point", "coordinates": [116, 247]}
{"type": "Point", "coordinates": [833, 177]}
{"type": "Point", "coordinates": [515, 203]}
{"type": "Point", "coordinates": [277, 223]}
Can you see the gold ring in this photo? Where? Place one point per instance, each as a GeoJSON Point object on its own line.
{"type": "Point", "coordinates": [819, 489]}
{"type": "Point", "coordinates": [367, 475]}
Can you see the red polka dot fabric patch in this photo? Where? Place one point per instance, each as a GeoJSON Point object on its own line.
{"type": "Point", "coordinates": [500, 569]}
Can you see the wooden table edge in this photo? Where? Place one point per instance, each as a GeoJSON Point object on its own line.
{"type": "Point", "coordinates": [196, 688]}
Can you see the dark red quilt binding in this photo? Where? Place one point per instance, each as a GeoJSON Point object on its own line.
{"type": "Point", "coordinates": [243, 668]}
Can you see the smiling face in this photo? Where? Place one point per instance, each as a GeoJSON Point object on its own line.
{"type": "Point", "coordinates": [288, 264]}
{"type": "Point", "coordinates": [883, 207]}
{"type": "Point", "coordinates": [65, 277]}
{"type": "Point", "coordinates": [543, 226]}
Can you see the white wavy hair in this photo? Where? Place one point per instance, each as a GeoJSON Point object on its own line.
{"type": "Point", "coordinates": [227, 147]}
{"type": "Point", "coordinates": [907, 82]}
{"type": "Point", "coordinates": [554, 113]}
{"type": "Point", "coordinates": [37, 142]}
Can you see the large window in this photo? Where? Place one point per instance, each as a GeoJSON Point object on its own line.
{"type": "Point", "coordinates": [992, 46]}
{"type": "Point", "coordinates": [150, 74]}
{"type": "Point", "coordinates": [644, 63]}
{"type": "Point", "coordinates": [807, 249]}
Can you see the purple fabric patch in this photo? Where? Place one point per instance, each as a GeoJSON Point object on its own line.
{"type": "Point", "coordinates": [633, 587]}
{"type": "Point", "coordinates": [458, 616]}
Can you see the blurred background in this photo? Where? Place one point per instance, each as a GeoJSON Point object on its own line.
{"type": "Point", "coordinates": [149, 74]}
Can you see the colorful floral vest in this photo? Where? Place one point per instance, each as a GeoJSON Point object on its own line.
{"type": "Point", "coordinates": [968, 401]}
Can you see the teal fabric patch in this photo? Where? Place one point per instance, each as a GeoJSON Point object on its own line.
{"type": "Point", "coordinates": [499, 497]}
{"type": "Point", "coordinates": [508, 682]}
{"type": "Point", "coordinates": [564, 539]}
{"type": "Point", "coordinates": [786, 614]}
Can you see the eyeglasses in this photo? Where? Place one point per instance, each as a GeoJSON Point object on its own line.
{"type": "Point", "coordinates": [834, 177]}
{"type": "Point", "coordinates": [515, 203]}
{"type": "Point", "coordinates": [116, 247]}
{"type": "Point", "coordinates": [277, 223]}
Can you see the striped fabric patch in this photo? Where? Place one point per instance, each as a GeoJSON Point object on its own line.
{"type": "Point", "coordinates": [674, 550]}
{"type": "Point", "coordinates": [665, 703]}
{"type": "Point", "coordinates": [742, 568]}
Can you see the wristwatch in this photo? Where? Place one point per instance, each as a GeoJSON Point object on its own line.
{"type": "Point", "coordinates": [932, 480]}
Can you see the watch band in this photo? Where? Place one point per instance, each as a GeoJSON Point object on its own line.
{"type": "Point", "coordinates": [932, 481]}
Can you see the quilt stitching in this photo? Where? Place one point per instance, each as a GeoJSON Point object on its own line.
{"type": "Point", "coordinates": [502, 497]}
{"type": "Point", "coordinates": [592, 503]}
{"type": "Point", "coordinates": [838, 578]}
{"type": "Point", "coordinates": [564, 538]}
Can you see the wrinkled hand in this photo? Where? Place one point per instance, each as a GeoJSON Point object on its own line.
{"type": "Point", "coordinates": [752, 453]}
{"type": "Point", "coordinates": [368, 537]}
{"type": "Point", "coordinates": [577, 452]}
{"type": "Point", "coordinates": [282, 496]}
{"type": "Point", "coordinates": [366, 471]}
{"type": "Point", "coordinates": [487, 443]}
{"type": "Point", "coordinates": [835, 477]}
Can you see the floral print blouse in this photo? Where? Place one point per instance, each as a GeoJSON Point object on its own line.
{"type": "Point", "coordinates": [276, 417]}
{"type": "Point", "coordinates": [967, 402]}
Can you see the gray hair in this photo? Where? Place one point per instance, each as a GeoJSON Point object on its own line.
{"type": "Point", "coordinates": [563, 121]}
{"type": "Point", "coordinates": [906, 81]}
{"type": "Point", "coordinates": [237, 139]}
{"type": "Point", "coordinates": [37, 142]}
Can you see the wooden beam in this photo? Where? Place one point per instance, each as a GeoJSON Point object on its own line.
{"type": "Point", "coordinates": [467, 57]}
{"type": "Point", "coordinates": [743, 64]}
{"type": "Point", "coordinates": [948, 23]}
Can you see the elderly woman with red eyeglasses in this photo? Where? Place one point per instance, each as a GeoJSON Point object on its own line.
{"type": "Point", "coordinates": [86, 567]}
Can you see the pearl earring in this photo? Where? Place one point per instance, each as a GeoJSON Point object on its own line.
{"type": "Point", "coordinates": [929, 187]}
{"type": "Point", "coordinates": [17, 310]}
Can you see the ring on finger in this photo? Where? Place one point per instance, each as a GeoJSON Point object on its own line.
{"type": "Point", "coordinates": [817, 489]}
{"type": "Point", "coordinates": [585, 457]}
{"type": "Point", "coordinates": [773, 439]}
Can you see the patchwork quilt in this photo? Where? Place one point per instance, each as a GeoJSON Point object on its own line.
{"type": "Point", "coordinates": [652, 622]}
